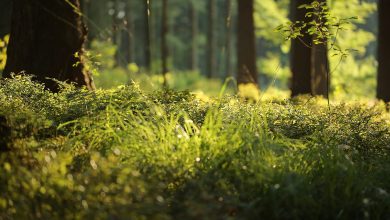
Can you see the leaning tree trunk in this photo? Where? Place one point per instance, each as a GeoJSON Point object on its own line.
{"type": "Point", "coordinates": [383, 88]}
{"type": "Point", "coordinates": [246, 48]}
{"type": "Point", "coordinates": [45, 38]}
{"type": "Point", "coordinates": [300, 55]}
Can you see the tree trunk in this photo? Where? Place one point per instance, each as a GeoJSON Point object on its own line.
{"type": "Point", "coordinates": [194, 34]}
{"type": "Point", "coordinates": [126, 39]}
{"type": "Point", "coordinates": [5, 17]}
{"type": "Point", "coordinates": [164, 44]}
{"type": "Point", "coordinates": [229, 29]}
{"type": "Point", "coordinates": [116, 32]}
{"type": "Point", "coordinates": [5, 135]}
{"type": "Point", "coordinates": [309, 61]}
{"type": "Point", "coordinates": [45, 36]}
{"type": "Point", "coordinates": [211, 59]}
{"type": "Point", "coordinates": [320, 67]}
{"type": "Point", "coordinates": [300, 60]}
{"type": "Point", "coordinates": [147, 14]}
{"type": "Point", "coordinates": [383, 87]}
{"type": "Point", "coordinates": [246, 48]}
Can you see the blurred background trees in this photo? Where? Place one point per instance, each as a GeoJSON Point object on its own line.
{"type": "Point", "coordinates": [198, 39]}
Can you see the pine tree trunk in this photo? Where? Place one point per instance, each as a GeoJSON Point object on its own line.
{"type": "Point", "coordinates": [319, 69]}
{"type": "Point", "coordinates": [383, 87]}
{"type": "Point", "coordinates": [5, 17]}
{"type": "Point", "coordinates": [126, 37]}
{"type": "Point", "coordinates": [116, 33]}
{"type": "Point", "coordinates": [164, 44]}
{"type": "Point", "coordinates": [129, 32]}
{"type": "Point", "coordinates": [300, 60]}
{"type": "Point", "coordinates": [147, 14]}
{"type": "Point", "coordinates": [246, 46]}
{"type": "Point", "coordinates": [194, 34]}
{"type": "Point", "coordinates": [229, 29]}
{"type": "Point", "coordinates": [5, 134]}
{"type": "Point", "coordinates": [320, 66]}
{"type": "Point", "coordinates": [45, 36]}
{"type": "Point", "coordinates": [211, 59]}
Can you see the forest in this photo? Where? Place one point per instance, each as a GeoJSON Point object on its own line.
{"type": "Point", "coordinates": [194, 109]}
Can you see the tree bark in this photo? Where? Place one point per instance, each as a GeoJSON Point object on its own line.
{"type": "Point", "coordinates": [5, 135]}
{"type": "Point", "coordinates": [383, 80]}
{"type": "Point", "coordinates": [125, 48]}
{"type": "Point", "coordinates": [300, 54]}
{"type": "Point", "coordinates": [5, 17]}
{"type": "Point", "coordinates": [319, 69]}
{"type": "Point", "coordinates": [194, 34]}
{"type": "Point", "coordinates": [147, 14]}
{"type": "Point", "coordinates": [164, 44]}
{"type": "Point", "coordinates": [320, 81]}
{"type": "Point", "coordinates": [45, 36]}
{"type": "Point", "coordinates": [211, 59]}
{"type": "Point", "coordinates": [246, 46]}
{"type": "Point", "coordinates": [229, 29]}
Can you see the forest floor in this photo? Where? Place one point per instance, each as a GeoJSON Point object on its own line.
{"type": "Point", "coordinates": [127, 154]}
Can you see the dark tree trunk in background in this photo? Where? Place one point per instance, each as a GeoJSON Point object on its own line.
{"type": "Point", "coordinates": [45, 36]}
{"type": "Point", "coordinates": [383, 87]}
{"type": "Point", "coordinates": [164, 43]}
{"type": "Point", "coordinates": [246, 48]}
{"type": "Point", "coordinates": [194, 34]}
{"type": "Point", "coordinates": [116, 32]}
{"type": "Point", "coordinates": [320, 68]}
{"type": "Point", "coordinates": [5, 135]}
{"type": "Point", "coordinates": [229, 29]}
{"type": "Point", "coordinates": [300, 60]}
{"type": "Point", "coordinates": [211, 59]}
{"type": "Point", "coordinates": [126, 39]}
{"type": "Point", "coordinates": [5, 17]}
{"type": "Point", "coordinates": [147, 11]}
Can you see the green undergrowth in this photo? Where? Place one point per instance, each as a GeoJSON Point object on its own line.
{"type": "Point", "coordinates": [127, 154]}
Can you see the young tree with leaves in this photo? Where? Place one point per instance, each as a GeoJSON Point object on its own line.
{"type": "Point", "coordinates": [309, 49]}
{"type": "Point", "coordinates": [319, 52]}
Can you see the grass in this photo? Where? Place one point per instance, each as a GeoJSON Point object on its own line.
{"type": "Point", "coordinates": [127, 154]}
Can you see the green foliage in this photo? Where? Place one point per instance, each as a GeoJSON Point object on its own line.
{"type": "Point", "coordinates": [355, 77]}
{"type": "Point", "coordinates": [3, 51]}
{"type": "Point", "coordinates": [126, 154]}
{"type": "Point", "coordinates": [270, 14]}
